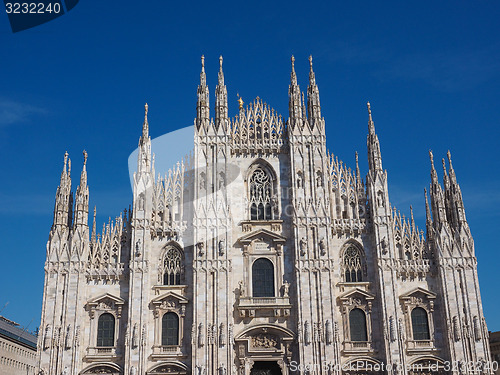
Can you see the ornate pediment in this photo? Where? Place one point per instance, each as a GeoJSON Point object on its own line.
{"type": "Point", "coordinates": [169, 301]}
{"type": "Point", "coordinates": [262, 235]}
{"type": "Point", "coordinates": [106, 302]}
{"type": "Point", "coordinates": [418, 293]}
{"type": "Point", "coordinates": [169, 298]}
{"type": "Point", "coordinates": [355, 294]}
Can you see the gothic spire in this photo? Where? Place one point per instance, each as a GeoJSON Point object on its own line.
{"type": "Point", "coordinates": [428, 218]}
{"type": "Point", "coordinates": [63, 203]}
{"type": "Point", "coordinates": [82, 196]}
{"type": "Point", "coordinates": [93, 237]}
{"type": "Point", "coordinates": [437, 196]}
{"type": "Point", "coordinates": [145, 125]}
{"type": "Point", "coordinates": [358, 174]}
{"type": "Point", "coordinates": [374, 154]}
{"type": "Point", "coordinates": [434, 176]}
{"type": "Point", "coordinates": [456, 204]}
{"type": "Point", "coordinates": [221, 105]}
{"type": "Point", "coordinates": [412, 219]}
{"type": "Point", "coordinates": [203, 105]}
{"type": "Point", "coordinates": [446, 181]}
{"type": "Point", "coordinates": [453, 177]}
{"type": "Point", "coordinates": [203, 76]}
{"type": "Point", "coordinates": [293, 75]}
{"type": "Point", "coordinates": [313, 104]}
{"type": "Point", "coordinates": [294, 96]}
{"type": "Point", "coordinates": [144, 154]}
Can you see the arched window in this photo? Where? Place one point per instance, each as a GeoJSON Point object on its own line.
{"type": "Point", "coordinates": [357, 324]}
{"type": "Point", "coordinates": [263, 278]}
{"type": "Point", "coordinates": [106, 330]}
{"type": "Point", "coordinates": [353, 265]}
{"type": "Point", "coordinates": [172, 267]}
{"type": "Point", "coordinates": [420, 324]}
{"type": "Point", "coordinates": [261, 192]}
{"type": "Point", "coordinates": [170, 329]}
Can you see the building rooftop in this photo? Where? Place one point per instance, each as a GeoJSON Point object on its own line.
{"type": "Point", "coordinates": [12, 330]}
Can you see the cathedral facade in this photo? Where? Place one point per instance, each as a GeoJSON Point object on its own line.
{"type": "Point", "coordinates": [261, 253]}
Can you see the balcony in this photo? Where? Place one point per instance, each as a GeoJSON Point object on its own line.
{"type": "Point", "coordinates": [420, 346]}
{"type": "Point", "coordinates": [358, 347]}
{"type": "Point", "coordinates": [161, 352]}
{"type": "Point", "coordinates": [95, 354]}
{"type": "Point", "coordinates": [276, 306]}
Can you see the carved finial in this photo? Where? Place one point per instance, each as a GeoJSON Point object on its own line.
{"type": "Point", "coordinates": [411, 216]}
{"type": "Point", "coordinates": [431, 156]}
{"type": "Point", "coordinates": [371, 125]}
{"type": "Point", "coordinates": [203, 63]}
{"type": "Point", "coordinates": [85, 155]}
{"type": "Point", "coordinates": [449, 159]}
{"type": "Point", "coordinates": [293, 76]}
{"type": "Point", "coordinates": [311, 62]}
{"type": "Point", "coordinates": [444, 167]}
{"type": "Point", "coordinates": [427, 209]}
{"type": "Point", "coordinates": [220, 62]}
{"type": "Point", "coordinates": [145, 125]}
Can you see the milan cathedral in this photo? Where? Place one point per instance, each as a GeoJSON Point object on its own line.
{"type": "Point", "coordinates": [261, 253]}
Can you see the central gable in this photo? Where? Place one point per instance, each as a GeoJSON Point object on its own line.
{"type": "Point", "coordinates": [258, 129]}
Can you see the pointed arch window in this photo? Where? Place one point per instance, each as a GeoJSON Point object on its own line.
{"type": "Point", "coordinates": [170, 329]}
{"type": "Point", "coordinates": [263, 278]}
{"type": "Point", "coordinates": [261, 192]}
{"type": "Point", "coordinates": [357, 325]}
{"type": "Point", "coordinates": [106, 330]}
{"type": "Point", "coordinates": [172, 266]}
{"type": "Point", "coordinates": [420, 324]}
{"type": "Point", "coordinates": [353, 265]}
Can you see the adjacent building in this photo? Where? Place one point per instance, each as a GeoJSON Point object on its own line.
{"type": "Point", "coordinates": [495, 350]}
{"type": "Point", "coordinates": [17, 349]}
{"type": "Point", "coordinates": [261, 253]}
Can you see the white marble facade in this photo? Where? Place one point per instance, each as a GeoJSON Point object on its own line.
{"type": "Point", "coordinates": [261, 253]}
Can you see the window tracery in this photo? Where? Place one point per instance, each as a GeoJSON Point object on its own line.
{"type": "Point", "coordinates": [353, 264]}
{"type": "Point", "coordinates": [172, 266]}
{"type": "Point", "coordinates": [261, 195]}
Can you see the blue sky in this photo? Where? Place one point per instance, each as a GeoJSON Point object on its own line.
{"type": "Point", "coordinates": [430, 69]}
